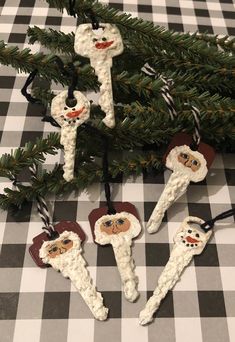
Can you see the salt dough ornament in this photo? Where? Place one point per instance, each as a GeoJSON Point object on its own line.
{"type": "Point", "coordinates": [69, 117]}
{"type": "Point", "coordinates": [64, 254]}
{"type": "Point", "coordinates": [118, 230]}
{"type": "Point", "coordinates": [187, 165]}
{"type": "Point", "coordinates": [101, 46]}
{"type": "Point", "coordinates": [188, 242]}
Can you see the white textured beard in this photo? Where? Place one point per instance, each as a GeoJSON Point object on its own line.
{"type": "Point", "coordinates": [122, 250]}
{"type": "Point", "coordinates": [71, 264]}
{"type": "Point", "coordinates": [177, 184]}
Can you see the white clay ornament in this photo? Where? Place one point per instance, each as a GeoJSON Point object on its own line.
{"type": "Point", "coordinates": [118, 230]}
{"type": "Point", "coordinates": [187, 166]}
{"type": "Point", "coordinates": [64, 254]}
{"type": "Point", "coordinates": [188, 242]}
{"type": "Point", "coordinates": [101, 46]}
{"type": "Point", "coordinates": [69, 118]}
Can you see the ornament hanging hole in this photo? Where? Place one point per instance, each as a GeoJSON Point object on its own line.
{"type": "Point", "coordinates": [71, 102]}
{"type": "Point", "coordinates": [98, 31]}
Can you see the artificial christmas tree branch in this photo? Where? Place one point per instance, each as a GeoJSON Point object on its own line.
{"type": "Point", "coordinates": [53, 182]}
{"type": "Point", "coordinates": [25, 61]}
{"type": "Point", "coordinates": [167, 40]}
{"type": "Point", "coordinates": [205, 76]}
{"type": "Point", "coordinates": [32, 152]}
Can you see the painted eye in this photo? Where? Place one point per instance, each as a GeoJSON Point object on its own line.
{"type": "Point", "coordinates": [194, 162]}
{"type": "Point", "coordinates": [66, 241]}
{"type": "Point", "coordinates": [94, 40]}
{"type": "Point", "coordinates": [104, 39]}
{"type": "Point", "coordinates": [184, 155]}
{"type": "Point", "coordinates": [73, 109]}
{"type": "Point", "coordinates": [197, 235]}
{"type": "Point", "coordinates": [108, 223]}
{"type": "Point", "coordinates": [54, 249]}
{"type": "Point", "coordinates": [120, 221]}
{"type": "Point", "coordinates": [65, 108]}
{"type": "Point", "coordinates": [189, 231]}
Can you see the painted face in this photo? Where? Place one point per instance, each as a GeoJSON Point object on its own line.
{"type": "Point", "coordinates": [191, 238]}
{"type": "Point", "coordinates": [115, 226]}
{"type": "Point", "coordinates": [73, 115]}
{"type": "Point", "coordinates": [189, 161]}
{"type": "Point", "coordinates": [59, 247]}
{"type": "Point", "coordinates": [106, 41]}
{"type": "Point", "coordinates": [102, 43]}
{"type": "Point", "coordinates": [70, 116]}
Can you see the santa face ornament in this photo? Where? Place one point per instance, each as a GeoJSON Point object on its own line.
{"type": "Point", "coordinates": [188, 241]}
{"type": "Point", "coordinates": [118, 230]}
{"type": "Point", "coordinates": [64, 254]}
{"type": "Point", "coordinates": [101, 46]}
{"type": "Point", "coordinates": [187, 166]}
{"type": "Point", "coordinates": [69, 117]}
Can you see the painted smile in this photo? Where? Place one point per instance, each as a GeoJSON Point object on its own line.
{"type": "Point", "coordinates": [75, 113]}
{"type": "Point", "coordinates": [191, 240]}
{"type": "Point", "coordinates": [103, 45]}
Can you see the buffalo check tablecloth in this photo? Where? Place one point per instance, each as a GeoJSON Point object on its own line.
{"type": "Point", "coordinates": [39, 305]}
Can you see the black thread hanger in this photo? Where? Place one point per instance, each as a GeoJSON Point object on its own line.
{"type": "Point", "coordinates": [208, 225]}
{"type": "Point", "coordinates": [89, 13]}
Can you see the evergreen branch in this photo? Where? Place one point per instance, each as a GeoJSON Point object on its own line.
{"type": "Point", "coordinates": [52, 39]}
{"type": "Point", "coordinates": [14, 162]}
{"type": "Point", "coordinates": [44, 95]}
{"type": "Point", "coordinates": [168, 40]}
{"type": "Point", "coordinates": [25, 61]}
{"type": "Point", "coordinates": [88, 173]}
{"type": "Point", "coordinates": [226, 43]}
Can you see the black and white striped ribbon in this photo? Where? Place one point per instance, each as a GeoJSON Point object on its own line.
{"type": "Point", "coordinates": [197, 128]}
{"type": "Point", "coordinates": [42, 206]}
{"type": "Point", "coordinates": [165, 90]}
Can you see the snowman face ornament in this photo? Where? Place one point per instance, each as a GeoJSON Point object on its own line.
{"type": "Point", "coordinates": [190, 238]}
{"type": "Point", "coordinates": [188, 241]}
{"type": "Point", "coordinates": [106, 41]}
{"type": "Point", "coordinates": [72, 116]}
{"type": "Point", "coordinates": [101, 46]}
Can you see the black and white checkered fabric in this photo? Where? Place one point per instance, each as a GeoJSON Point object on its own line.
{"type": "Point", "coordinates": [39, 305]}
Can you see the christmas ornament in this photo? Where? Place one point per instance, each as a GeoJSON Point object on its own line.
{"type": "Point", "coordinates": [187, 165]}
{"type": "Point", "coordinates": [188, 241]}
{"type": "Point", "coordinates": [61, 248]}
{"type": "Point", "coordinates": [118, 229]}
{"type": "Point", "coordinates": [69, 114]}
{"type": "Point", "coordinates": [101, 46]}
{"type": "Point", "coordinates": [117, 224]}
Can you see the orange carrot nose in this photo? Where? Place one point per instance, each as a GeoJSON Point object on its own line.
{"type": "Point", "coordinates": [75, 113]}
{"type": "Point", "coordinates": [191, 240]}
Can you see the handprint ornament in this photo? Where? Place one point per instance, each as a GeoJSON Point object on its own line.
{"type": "Point", "coordinates": [187, 166]}
{"type": "Point", "coordinates": [119, 229]}
{"type": "Point", "coordinates": [101, 46]}
{"type": "Point", "coordinates": [69, 114]}
{"type": "Point", "coordinates": [188, 241]}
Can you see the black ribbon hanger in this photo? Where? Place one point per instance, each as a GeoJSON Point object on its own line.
{"type": "Point", "coordinates": [208, 225]}
{"type": "Point", "coordinates": [89, 13]}
{"type": "Point", "coordinates": [43, 209]}
{"type": "Point", "coordinates": [105, 166]}
{"type": "Point", "coordinates": [74, 78]}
